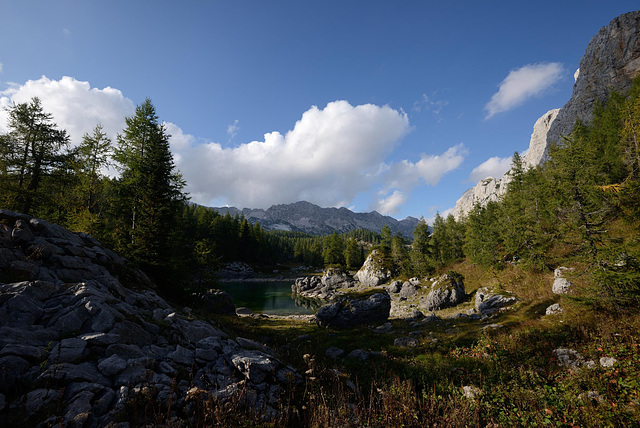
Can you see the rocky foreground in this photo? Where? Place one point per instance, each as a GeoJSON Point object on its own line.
{"type": "Point", "coordinates": [83, 335]}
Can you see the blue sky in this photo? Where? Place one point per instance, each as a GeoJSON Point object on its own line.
{"type": "Point", "coordinates": [366, 104]}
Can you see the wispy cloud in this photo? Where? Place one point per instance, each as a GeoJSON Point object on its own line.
{"type": "Point", "coordinates": [232, 130]}
{"type": "Point", "coordinates": [430, 104]}
{"type": "Point", "coordinates": [522, 84]}
{"type": "Point", "coordinates": [493, 167]}
{"type": "Point", "coordinates": [0, 67]}
{"type": "Point", "coordinates": [401, 177]}
{"type": "Point", "coordinates": [66, 32]}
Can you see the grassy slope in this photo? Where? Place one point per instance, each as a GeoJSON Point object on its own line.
{"type": "Point", "coordinates": [508, 357]}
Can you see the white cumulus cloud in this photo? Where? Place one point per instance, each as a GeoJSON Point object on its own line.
{"type": "Point", "coordinates": [75, 105]}
{"type": "Point", "coordinates": [493, 167]}
{"type": "Point", "coordinates": [522, 84]}
{"type": "Point", "coordinates": [329, 157]}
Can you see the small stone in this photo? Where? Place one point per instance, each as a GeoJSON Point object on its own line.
{"type": "Point", "coordinates": [359, 354]}
{"type": "Point", "coordinates": [334, 352]}
{"type": "Point", "coordinates": [244, 311]}
{"type": "Point", "coordinates": [471, 392]}
{"type": "Point", "coordinates": [608, 361]}
{"type": "Point", "coordinates": [562, 286]}
{"type": "Point", "coordinates": [554, 309]}
{"type": "Point", "coordinates": [405, 342]}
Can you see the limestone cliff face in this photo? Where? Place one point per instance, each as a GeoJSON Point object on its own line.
{"type": "Point", "coordinates": [491, 189]}
{"type": "Point", "coordinates": [538, 145]}
{"type": "Point", "coordinates": [611, 61]}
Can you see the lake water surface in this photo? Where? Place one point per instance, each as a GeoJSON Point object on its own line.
{"type": "Point", "coordinates": [268, 297]}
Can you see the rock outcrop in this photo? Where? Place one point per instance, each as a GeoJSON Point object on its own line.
{"type": "Point", "coordinates": [491, 189]}
{"type": "Point", "coordinates": [351, 310]}
{"type": "Point", "coordinates": [445, 292]}
{"type": "Point", "coordinates": [82, 336]}
{"type": "Point", "coordinates": [373, 272]}
{"type": "Point", "coordinates": [611, 62]}
{"type": "Point", "coordinates": [490, 301]}
{"type": "Point", "coordinates": [322, 287]}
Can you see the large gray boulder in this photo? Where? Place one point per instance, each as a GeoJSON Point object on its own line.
{"type": "Point", "coordinates": [373, 272]}
{"type": "Point", "coordinates": [352, 310]}
{"type": "Point", "coordinates": [446, 291]}
{"type": "Point", "coordinates": [489, 301]}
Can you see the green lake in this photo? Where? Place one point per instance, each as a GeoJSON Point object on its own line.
{"type": "Point", "coordinates": [269, 297]}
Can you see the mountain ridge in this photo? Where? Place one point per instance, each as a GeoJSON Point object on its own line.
{"type": "Point", "coordinates": [303, 216]}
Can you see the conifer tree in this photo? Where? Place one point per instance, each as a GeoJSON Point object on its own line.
{"type": "Point", "coordinates": [150, 188]}
{"type": "Point", "coordinates": [32, 151]}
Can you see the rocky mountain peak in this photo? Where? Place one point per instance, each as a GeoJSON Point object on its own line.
{"type": "Point", "coordinates": [611, 62]}
{"type": "Point", "coordinates": [306, 217]}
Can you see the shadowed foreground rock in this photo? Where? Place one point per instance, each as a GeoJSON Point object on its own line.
{"type": "Point", "coordinates": [349, 311]}
{"type": "Point", "coordinates": [82, 336]}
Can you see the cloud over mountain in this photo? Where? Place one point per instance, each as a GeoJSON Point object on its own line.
{"type": "Point", "coordinates": [329, 157]}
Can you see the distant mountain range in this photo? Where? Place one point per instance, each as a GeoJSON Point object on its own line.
{"type": "Point", "coordinates": [309, 218]}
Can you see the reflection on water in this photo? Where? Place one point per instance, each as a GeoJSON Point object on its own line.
{"type": "Point", "coordinates": [312, 304]}
{"type": "Point", "coordinates": [273, 297]}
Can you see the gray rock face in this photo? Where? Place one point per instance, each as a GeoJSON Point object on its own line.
{"type": "Point", "coordinates": [445, 292]}
{"type": "Point", "coordinates": [351, 311]}
{"type": "Point", "coordinates": [538, 151]}
{"type": "Point", "coordinates": [611, 61]}
{"type": "Point", "coordinates": [491, 189]}
{"type": "Point", "coordinates": [76, 352]}
{"type": "Point", "coordinates": [373, 273]}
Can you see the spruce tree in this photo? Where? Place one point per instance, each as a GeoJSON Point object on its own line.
{"type": "Point", "coordinates": [150, 189]}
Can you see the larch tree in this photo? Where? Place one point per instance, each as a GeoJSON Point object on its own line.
{"type": "Point", "coordinates": [31, 151]}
